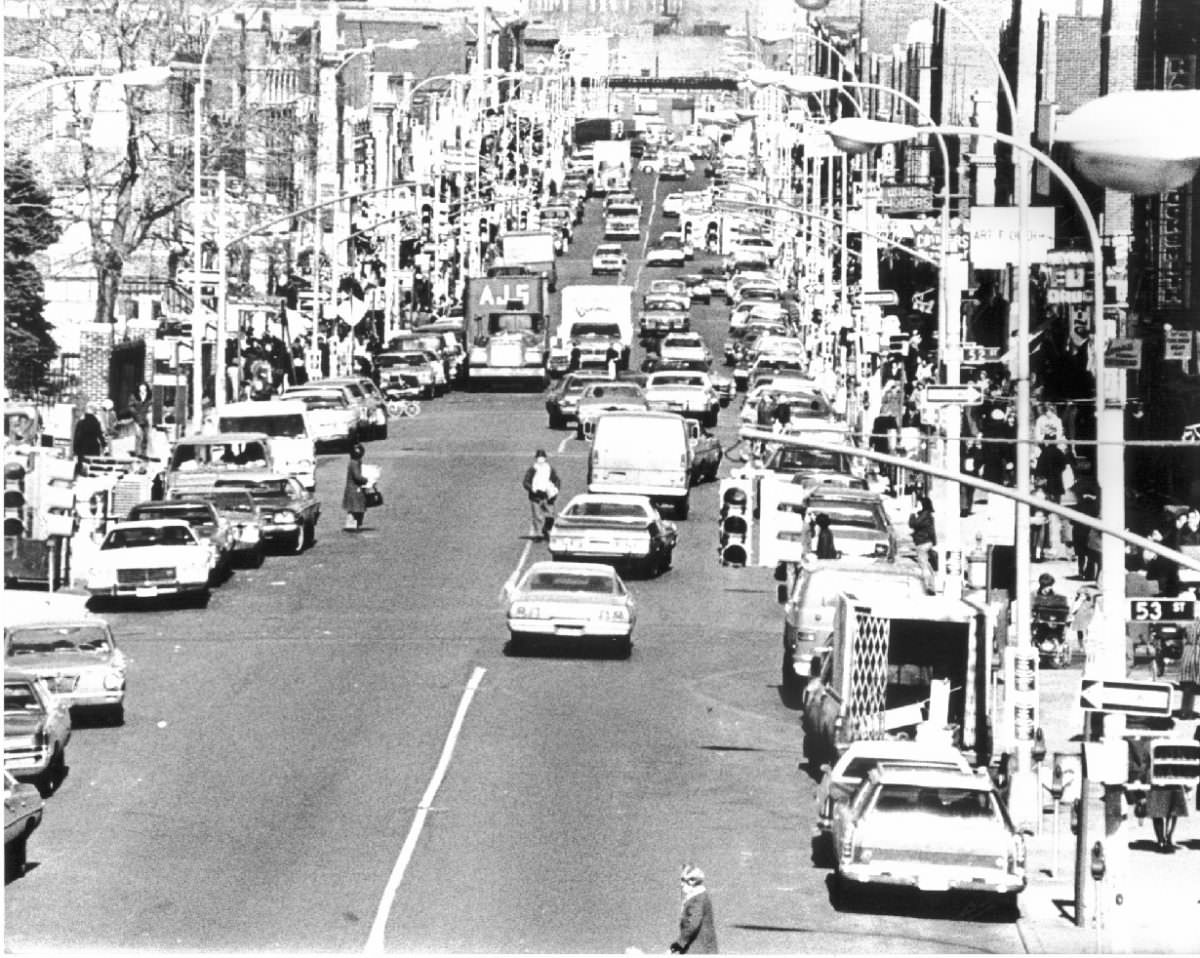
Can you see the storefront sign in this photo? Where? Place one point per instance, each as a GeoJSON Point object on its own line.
{"type": "Point", "coordinates": [905, 199]}
{"type": "Point", "coordinates": [1177, 344]}
{"type": "Point", "coordinates": [1123, 354]}
{"type": "Point", "coordinates": [996, 239]}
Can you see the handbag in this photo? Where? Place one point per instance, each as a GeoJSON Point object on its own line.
{"type": "Point", "coordinates": [372, 497]}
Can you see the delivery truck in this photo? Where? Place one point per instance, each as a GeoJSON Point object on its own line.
{"type": "Point", "coordinates": [594, 320]}
{"type": "Point", "coordinates": [917, 667]}
{"type": "Point", "coordinates": [506, 329]}
{"type": "Point", "coordinates": [531, 249]}
{"type": "Point", "coordinates": [611, 166]}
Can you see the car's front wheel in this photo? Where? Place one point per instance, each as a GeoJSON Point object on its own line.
{"type": "Point", "coordinates": [682, 507]}
{"type": "Point", "coordinates": [52, 778]}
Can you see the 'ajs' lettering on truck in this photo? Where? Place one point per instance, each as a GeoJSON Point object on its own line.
{"type": "Point", "coordinates": [506, 329]}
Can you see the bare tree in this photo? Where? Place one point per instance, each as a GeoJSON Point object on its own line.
{"type": "Point", "coordinates": [124, 168]}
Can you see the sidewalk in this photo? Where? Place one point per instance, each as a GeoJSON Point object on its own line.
{"type": "Point", "coordinates": [1160, 913]}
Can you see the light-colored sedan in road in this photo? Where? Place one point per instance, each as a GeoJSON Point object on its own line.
{"type": "Point", "coordinates": [841, 781]}
{"type": "Point", "coordinates": [930, 829]}
{"type": "Point", "coordinates": [607, 527]}
{"type": "Point", "coordinates": [569, 600]}
{"type": "Point", "coordinates": [687, 393]}
{"type": "Point", "coordinates": [145, 560]}
{"type": "Point", "coordinates": [684, 346]}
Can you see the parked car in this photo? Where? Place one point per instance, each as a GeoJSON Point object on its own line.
{"type": "Point", "coordinates": [334, 420]}
{"type": "Point", "coordinates": [150, 559]}
{"type": "Point", "coordinates": [567, 600]}
{"type": "Point", "coordinates": [205, 521]}
{"type": "Point", "coordinates": [76, 657]}
{"type": "Point", "coordinates": [599, 398]}
{"type": "Point", "coordinates": [391, 367]}
{"type": "Point", "coordinates": [840, 781]}
{"type": "Point", "coordinates": [23, 809]}
{"type": "Point", "coordinates": [37, 730]}
{"type": "Point", "coordinates": [860, 524]}
{"type": "Point", "coordinates": [289, 511]}
{"type": "Point", "coordinates": [245, 520]}
{"type": "Point", "coordinates": [366, 394]}
{"type": "Point", "coordinates": [684, 392]}
{"type": "Point", "coordinates": [624, 530]}
{"type": "Point", "coordinates": [930, 829]}
{"type": "Point", "coordinates": [816, 467]}
{"type": "Point", "coordinates": [562, 399]}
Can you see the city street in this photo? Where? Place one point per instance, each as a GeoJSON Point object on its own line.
{"type": "Point", "coordinates": [278, 743]}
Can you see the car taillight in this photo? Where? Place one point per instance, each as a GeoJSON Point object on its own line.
{"type": "Point", "coordinates": [847, 850]}
{"type": "Point", "coordinates": [1018, 851]}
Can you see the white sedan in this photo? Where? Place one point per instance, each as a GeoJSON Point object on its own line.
{"type": "Point", "coordinates": [609, 258]}
{"type": "Point", "coordinates": [569, 600]}
{"type": "Point", "coordinates": [685, 392]}
{"type": "Point", "coordinates": [684, 346]}
{"type": "Point", "coordinates": [668, 251]}
{"type": "Point", "coordinates": [151, 558]}
{"type": "Point", "coordinates": [672, 204]}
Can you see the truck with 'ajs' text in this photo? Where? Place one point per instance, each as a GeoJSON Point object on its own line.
{"type": "Point", "coordinates": [506, 327]}
{"type": "Point", "coordinates": [531, 249]}
{"type": "Point", "coordinates": [595, 324]}
{"type": "Point", "coordinates": [917, 668]}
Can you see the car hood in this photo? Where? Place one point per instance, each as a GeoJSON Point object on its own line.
{"type": "Point", "coordinates": [55, 662]}
{"type": "Point", "coordinates": [155, 556]}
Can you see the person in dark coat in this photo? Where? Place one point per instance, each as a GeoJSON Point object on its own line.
{"type": "Point", "coordinates": [354, 500]}
{"type": "Point", "coordinates": [697, 929]}
{"type": "Point", "coordinates": [1051, 464]}
{"type": "Point", "coordinates": [826, 548]}
{"type": "Point", "coordinates": [924, 537]}
{"type": "Point", "coordinates": [88, 439]}
{"type": "Point", "coordinates": [1087, 501]}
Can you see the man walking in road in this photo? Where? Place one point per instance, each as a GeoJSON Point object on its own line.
{"type": "Point", "coordinates": [542, 484]}
{"type": "Point", "coordinates": [697, 930]}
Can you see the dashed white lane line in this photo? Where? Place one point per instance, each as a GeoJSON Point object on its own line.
{"type": "Point", "coordinates": [375, 939]}
{"type": "Point", "coordinates": [512, 579]}
{"type": "Point", "coordinates": [563, 443]}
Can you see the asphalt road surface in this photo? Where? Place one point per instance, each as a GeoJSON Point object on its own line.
{"type": "Point", "coordinates": [279, 742]}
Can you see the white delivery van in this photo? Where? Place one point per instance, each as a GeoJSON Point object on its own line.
{"type": "Point", "coordinates": [645, 454]}
{"type": "Point", "coordinates": [285, 421]}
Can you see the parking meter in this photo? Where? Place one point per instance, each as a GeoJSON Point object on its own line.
{"type": "Point", "coordinates": [1098, 864]}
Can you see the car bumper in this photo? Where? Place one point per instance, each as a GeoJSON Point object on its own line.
{"type": "Point", "coordinates": [27, 764]}
{"type": "Point", "coordinates": [283, 530]}
{"type": "Point", "coordinates": [508, 372]}
{"type": "Point", "coordinates": [934, 878]}
{"type": "Point", "coordinates": [151, 591]}
{"type": "Point", "coordinates": [552, 628]}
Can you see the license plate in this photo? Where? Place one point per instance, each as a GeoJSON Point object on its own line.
{"type": "Point", "coordinates": [926, 883]}
{"type": "Point", "coordinates": [146, 591]}
{"type": "Point", "coordinates": [570, 630]}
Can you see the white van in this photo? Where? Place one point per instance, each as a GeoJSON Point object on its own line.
{"type": "Point", "coordinates": [285, 421]}
{"type": "Point", "coordinates": [642, 453]}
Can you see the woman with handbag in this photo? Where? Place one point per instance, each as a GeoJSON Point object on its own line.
{"type": "Point", "coordinates": [354, 498]}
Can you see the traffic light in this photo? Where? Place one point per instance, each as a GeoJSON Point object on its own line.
{"type": "Point", "coordinates": [427, 220]}
{"type": "Point", "coordinates": [51, 493]}
{"type": "Point", "coordinates": [16, 518]}
{"type": "Point", "coordinates": [737, 518]}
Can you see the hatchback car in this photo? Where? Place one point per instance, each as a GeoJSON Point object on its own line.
{"type": "Point", "coordinates": [567, 600]}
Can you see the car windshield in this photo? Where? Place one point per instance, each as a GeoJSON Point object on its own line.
{"type": "Point", "coordinates": [668, 242]}
{"type": "Point", "coordinates": [596, 329]}
{"type": "Point", "coordinates": [608, 251]}
{"type": "Point", "coordinates": [664, 305]}
{"type": "Point", "coordinates": [322, 400]}
{"type": "Point", "coordinates": [684, 342]}
{"type": "Point", "coordinates": [270, 489]}
{"type": "Point", "coordinates": [571, 582]}
{"type": "Point", "coordinates": [795, 458]}
{"type": "Point", "coordinates": [675, 379]}
{"type": "Point", "coordinates": [19, 697]}
{"type": "Point", "coordinates": [194, 516]}
{"type": "Point", "coordinates": [846, 516]}
{"type": "Point", "coordinates": [665, 286]}
{"type": "Point", "coordinates": [622, 210]}
{"type": "Point", "coordinates": [613, 391]}
{"type": "Point", "coordinates": [143, 537]}
{"type": "Point", "coordinates": [232, 501]}
{"type": "Point", "coordinates": [941, 802]}
{"type": "Point", "coordinates": [802, 404]}
{"type": "Point", "coordinates": [607, 510]}
{"type": "Point", "coordinates": [401, 359]}
{"type": "Point", "coordinates": [287, 425]}
{"type": "Point", "coordinates": [219, 455]}
{"type": "Point", "coordinates": [58, 638]}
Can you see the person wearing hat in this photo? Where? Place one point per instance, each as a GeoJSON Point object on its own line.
{"type": "Point", "coordinates": [354, 498]}
{"type": "Point", "coordinates": [541, 483]}
{"type": "Point", "coordinates": [697, 930]}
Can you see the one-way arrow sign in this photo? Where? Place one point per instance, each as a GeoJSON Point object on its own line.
{"type": "Point", "coordinates": [953, 395]}
{"type": "Point", "coordinates": [1136, 698]}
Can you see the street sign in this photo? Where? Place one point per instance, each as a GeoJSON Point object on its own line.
{"type": "Point", "coordinates": [965, 395]}
{"type": "Point", "coordinates": [974, 354]}
{"type": "Point", "coordinates": [1162, 610]}
{"type": "Point", "coordinates": [1136, 698]}
{"type": "Point", "coordinates": [878, 297]}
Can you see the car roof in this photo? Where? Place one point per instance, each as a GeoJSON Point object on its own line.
{"type": "Point", "coordinates": [849, 496]}
{"type": "Point", "coordinates": [183, 502]}
{"type": "Point", "coordinates": [616, 498]}
{"type": "Point", "coordinates": [149, 524]}
{"type": "Point", "coordinates": [243, 479]}
{"type": "Point", "coordinates": [901, 750]}
{"type": "Point", "coordinates": [589, 568]}
{"type": "Point", "coordinates": [221, 438]}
